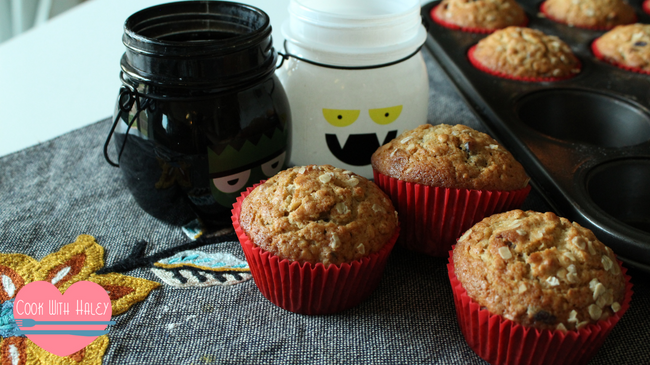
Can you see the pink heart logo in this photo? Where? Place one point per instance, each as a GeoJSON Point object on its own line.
{"type": "Point", "coordinates": [62, 323]}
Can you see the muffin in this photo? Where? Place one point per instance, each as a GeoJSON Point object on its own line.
{"type": "Point", "coordinates": [626, 46]}
{"type": "Point", "coordinates": [595, 14]}
{"type": "Point", "coordinates": [479, 15]}
{"type": "Point", "coordinates": [524, 54]}
{"type": "Point", "coordinates": [532, 272]}
{"type": "Point", "coordinates": [450, 157]}
{"type": "Point", "coordinates": [443, 179]}
{"type": "Point", "coordinates": [316, 237]}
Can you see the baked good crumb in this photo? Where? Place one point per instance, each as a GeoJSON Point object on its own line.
{"type": "Point", "coordinates": [539, 270]}
{"type": "Point", "coordinates": [318, 214]}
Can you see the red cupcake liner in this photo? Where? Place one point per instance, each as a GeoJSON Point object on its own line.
{"type": "Point", "coordinates": [452, 26]}
{"type": "Point", "coordinates": [501, 341]}
{"type": "Point", "coordinates": [600, 56]}
{"type": "Point", "coordinates": [307, 288]}
{"type": "Point", "coordinates": [476, 63]}
{"type": "Point", "coordinates": [542, 9]}
{"type": "Point", "coordinates": [432, 218]}
{"type": "Point", "coordinates": [646, 6]}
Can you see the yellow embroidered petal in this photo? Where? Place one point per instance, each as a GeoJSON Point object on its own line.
{"type": "Point", "coordinates": [72, 263]}
{"type": "Point", "coordinates": [16, 270]}
{"type": "Point", "coordinates": [124, 290]}
{"type": "Point", "coordinates": [91, 354]}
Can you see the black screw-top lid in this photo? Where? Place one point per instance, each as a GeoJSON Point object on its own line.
{"type": "Point", "coordinates": [197, 46]}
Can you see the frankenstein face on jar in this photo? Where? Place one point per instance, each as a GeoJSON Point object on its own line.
{"type": "Point", "coordinates": [233, 170]}
{"type": "Point", "coordinates": [357, 148]}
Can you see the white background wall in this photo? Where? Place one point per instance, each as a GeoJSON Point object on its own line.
{"type": "Point", "coordinates": [17, 16]}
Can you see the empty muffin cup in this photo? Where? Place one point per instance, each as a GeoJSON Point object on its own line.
{"type": "Point", "coordinates": [585, 117]}
{"type": "Point", "coordinates": [620, 189]}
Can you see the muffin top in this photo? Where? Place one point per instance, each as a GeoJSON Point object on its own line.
{"type": "Point", "coordinates": [628, 45]}
{"type": "Point", "coordinates": [528, 53]}
{"type": "Point", "coordinates": [318, 214]}
{"type": "Point", "coordinates": [590, 13]}
{"type": "Point", "coordinates": [450, 157]}
{"type": "Point", "coordinates": [481, 14]}
{"type": "Point", "coordinates": [539, 270]}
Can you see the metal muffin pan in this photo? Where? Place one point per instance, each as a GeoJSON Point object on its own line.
{"type": "Point", "coordinates": [585, 141]}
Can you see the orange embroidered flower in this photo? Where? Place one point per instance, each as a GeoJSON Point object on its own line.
{"type": "Point", "coordinates": [72, 263]}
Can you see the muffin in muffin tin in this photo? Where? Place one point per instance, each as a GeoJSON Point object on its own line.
{"type": "Point", "coordinates": [626, 46]}
{"type": "Point", "coordinates": [594, 14]}
{"type": "Point", "coordinates": [479, 15]}
{"type": "Point", "coordinates": [525, 54]}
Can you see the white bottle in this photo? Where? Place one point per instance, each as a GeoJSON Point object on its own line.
{"type": "Point", "coordinates": [354, 76]}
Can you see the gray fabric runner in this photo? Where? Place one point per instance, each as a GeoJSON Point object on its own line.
{"type": "Point", "coordinates": [55, 191]}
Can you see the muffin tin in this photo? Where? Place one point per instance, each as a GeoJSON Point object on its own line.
{"type": "Point", "coordinates": [585, 141]}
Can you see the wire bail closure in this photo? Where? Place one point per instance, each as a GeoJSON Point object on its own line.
{"type": "Point", "coordinates": [127, 97]}
{"type": "Point", "coordinates": [286, 55]}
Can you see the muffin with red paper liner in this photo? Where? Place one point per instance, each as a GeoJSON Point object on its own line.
{"type": "Point", "coordinates": [534, 288]}
{"type": "Point", "coordinates": [589, 14]}
{"type": "Point", "coordinates": [478, 16]}
{"type": "Point", "coordinates": [524, 54]}
{"type": "Point", "coordinates": [316, 237]}
{"type": "Point", "coordinates": [443, 179]}
{"type": "Point", "coordinates": [626, 46]}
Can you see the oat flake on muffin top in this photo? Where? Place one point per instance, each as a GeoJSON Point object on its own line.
{"type": "Point", "coordinates": [540, 270]}
{"type": "Point", "coordinates": [526, 53]}
{"type": "Point", "coordinates": [318, 214]}
{"type": "Point", "coordinates": [481, 14]}
{"type": "Point", "coordinates": [450, 157]}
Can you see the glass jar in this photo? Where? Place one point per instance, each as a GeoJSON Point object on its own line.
{"type": "Point", "coordinates": [354, 76]}
{"type": "Point", "coordinates": [201, 114]}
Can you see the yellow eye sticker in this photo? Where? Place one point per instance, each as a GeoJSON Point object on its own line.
{"type": "Point", "coordinates": [385, 115]}
{"type": "Point", "coordinates": [340, 117]}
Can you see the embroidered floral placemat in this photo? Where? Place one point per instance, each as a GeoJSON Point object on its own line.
{"type": "Point", "coordinates": [74, 262]}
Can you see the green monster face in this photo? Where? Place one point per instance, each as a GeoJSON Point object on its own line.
{"type": "Point", "coordinates": [233, 171]}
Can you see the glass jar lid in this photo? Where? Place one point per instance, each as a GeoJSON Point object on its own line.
{"type": "Point", "coordinates": [202, 46]}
